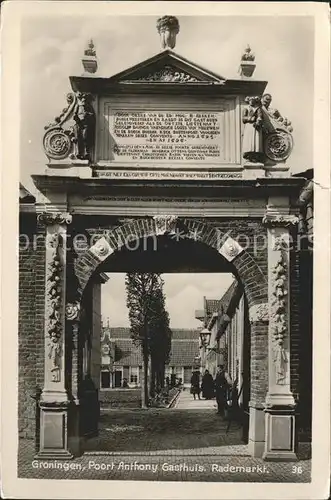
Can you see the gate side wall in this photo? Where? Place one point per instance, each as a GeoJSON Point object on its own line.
{"type": "Point", "coordinates": [31, 323]}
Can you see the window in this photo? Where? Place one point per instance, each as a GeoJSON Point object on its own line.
{"type": "Point", "coordinates": [105, 379]}
{"type": "Point", "coordinates": [134, 375]}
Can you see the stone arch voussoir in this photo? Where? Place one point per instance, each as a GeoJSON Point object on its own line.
{"type": "Point", "coordinates": [252, 277]}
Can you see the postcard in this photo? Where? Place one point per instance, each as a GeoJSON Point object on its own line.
{"type": "Point", "coordinates": [166, 250]}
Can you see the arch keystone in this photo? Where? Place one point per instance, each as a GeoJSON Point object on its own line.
{"type": "Point", "coordinates": [101, 249]}
{"type": "Point", "coordinates": [230, 249]}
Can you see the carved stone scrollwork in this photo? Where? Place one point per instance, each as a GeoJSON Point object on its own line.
{"type": "Point", "coordinates": [76, 141]}
{"type": "Point", "coordinates": [279, 318]}
{"type": "Point", "coordinates": [72, 311]}
{"type": "Point", "coordinates": [273, 220]}
{"type": "Point", "coordinates": [168, 74]}
{"type": "Point", "coordinates": [259, 313]}
{"type": "Point", "coordinates": [50, 218]}
{"type": "Point", "coordinates": [53, 310]}
{"type": "Point", "coordinates": [278, 145]}
{"type": "Point", "coordinates": [58, 142]}
{"type": "Point", "coordinates": [165, 223]}
{"type": "Point", "coordinates": [277, 131]}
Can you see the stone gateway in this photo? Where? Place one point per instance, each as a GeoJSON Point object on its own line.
{"type": "Point", "coordinates": [162, 147]}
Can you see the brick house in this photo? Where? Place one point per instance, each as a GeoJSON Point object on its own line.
{"type": "Point", "coordinates": [121, 359]}
{"type": "Point", "coordinates": [226, 320]}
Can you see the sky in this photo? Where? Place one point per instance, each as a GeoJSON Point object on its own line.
{"type": "Point", "coordinates": [184, 294]}
{"type": "Point", "coordinates": [52, 48]}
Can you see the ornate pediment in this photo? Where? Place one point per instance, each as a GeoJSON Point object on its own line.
{"type": "Point", "coordinates": [167, 67]}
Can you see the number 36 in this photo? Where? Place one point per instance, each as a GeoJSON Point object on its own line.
{"type": "Point", "coordinates": [296, 469]}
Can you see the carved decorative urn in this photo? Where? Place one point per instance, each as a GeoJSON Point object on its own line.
{"type": "Point", "coordinates": [247, 64]}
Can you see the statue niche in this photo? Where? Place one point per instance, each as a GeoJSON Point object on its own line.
{"type": "Point", "coordinates": [253, 138]}
{"type": "Point", "coordinates": [84, 127]}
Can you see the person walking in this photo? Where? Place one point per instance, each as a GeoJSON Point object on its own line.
{"type": "Point", "coordinates": [195, 384]}
{"type": "Point", "coordinates": [223, 383]}
{"type": "Point", "coordinates": [207, 385]}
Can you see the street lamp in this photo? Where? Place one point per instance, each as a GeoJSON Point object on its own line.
{"type": "Point", "coordinates": [205, 335]}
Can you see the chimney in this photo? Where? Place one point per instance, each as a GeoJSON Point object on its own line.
{"type": "Point", "coordinates": [89, 60]}
{"type": "Point", "coordinates": [168, 29]}
{"type": "Point", "coordinates": [247, 64]}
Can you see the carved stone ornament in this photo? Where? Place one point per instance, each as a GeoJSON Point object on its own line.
{"type": "Point", "coordinates": [277, 131]}
{"type": "Point", "coordinates": [72, 311]}
{"type": "Point", "coordinates": [84, 128]}
{"type": "Point", "coordinates": [102, 249]}
{"type": "Point", "coordinates": [165, 223]}
{"type": "Point", "coordinates": [168, 28]}
{"type": "Point", "coordinates": [58, 142]}
{"type": "Point", "coordinates": [273, 220]}
{"type": "Point", "coordinates": [76, 141]}
{"type": "Point", "coordinates": [278, 145]}
{"type": "Point", "coordinates": [168, 74]}
{"type": "Point", "coordinates": [230, 249]}
{"type": "Point", "coordinates": [53, 312]}
{"type": "Point", "coordinates": [279, 318]}
{"type": "Point", "coordinates": [259, 313]}
{"type": "Point", "coordinates": [51, 218]}
{"type": "Point", "coordinates": [280, 243]}
{"type": "Point", "coordinates": [248, 55]}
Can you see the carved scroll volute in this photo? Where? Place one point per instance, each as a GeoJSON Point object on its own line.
{"type": "Point", "coordinates": [58, 141]}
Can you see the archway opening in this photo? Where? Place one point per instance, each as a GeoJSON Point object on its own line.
{"type": "Point", "coordinates": [122, 422]}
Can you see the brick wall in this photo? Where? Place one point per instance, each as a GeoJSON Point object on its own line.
{"type": "Point", "coordinates": [26, 328]}
{"type": "Point", "coordinates": [295, 323]}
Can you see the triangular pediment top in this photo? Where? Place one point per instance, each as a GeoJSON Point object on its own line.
{"type": "Point", "coordinates": [166, 66]}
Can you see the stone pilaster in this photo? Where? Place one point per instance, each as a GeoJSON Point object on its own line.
{"type": "Point", "coordinates": [54, 401]}
{"type": "Point", "coordinates": [280, 403]}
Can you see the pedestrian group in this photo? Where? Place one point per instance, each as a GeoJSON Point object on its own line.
{"type": "Point", "coordinates": [222, 387]}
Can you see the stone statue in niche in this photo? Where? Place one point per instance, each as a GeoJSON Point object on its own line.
{"type": "Point", "coordinates": [252, 138]}
{"type": "Point", "coordinates": [84, 128]}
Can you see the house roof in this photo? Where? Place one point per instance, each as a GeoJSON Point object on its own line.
{"type": "Point", "coordinates": [227, 297]}
{"type": "Point", "coordinates": [225, 305]}
{"type": "Point", "coordinates": [183, 352]}
{"type": "Point", "coordinates": [184, 347]}
{"type": "Point", "coordinates": [128, 353]}
{"type": "Point", "coordinates": [212, 305]}
{"type": "Point", "coordinates": [177, 333]}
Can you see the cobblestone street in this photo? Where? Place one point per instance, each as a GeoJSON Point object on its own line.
{"type": "Point", "coordinates": [186, 443]}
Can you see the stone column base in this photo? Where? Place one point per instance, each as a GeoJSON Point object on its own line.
{"type": "Point", "coordinates": [54, 430]}
{"type": "Point", "coordinates": [280, 440]}
{"type": "Point", "coordinates": [256, 436]}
